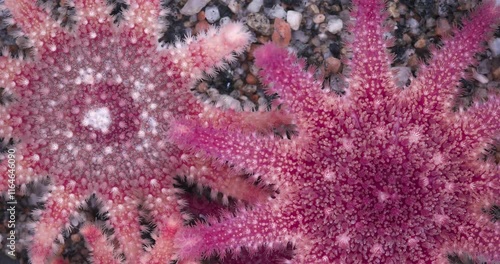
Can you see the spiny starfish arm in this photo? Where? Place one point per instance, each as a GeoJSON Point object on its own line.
{"type": "Point", "coordinates": [139, 16]}
{"type": "Point", "coordinates": [231, 146]}
{"type": "Point", "coordinates": [17, 168]}
{"type": "Point", "coordinates": [285, 75]}
{"type": "Point", "coordinates": [35, 22]}
{"type": "Point", "coordinates": [88, 11]}
{"type": "Point", "coordinates": [258, 121]}
{"type": "Point", "coordinates": [124, 218]}
{"type": "Point", "coordinates": [221, 179]}
{"type": "Point", "coordinates": [434, 88]}
{"type": "Point", "coordinates": [54, 218]}
{"type": "Point", "coordinates": [209, 51]}
{"type": "Point", "coordinates": [163, 205]}
{"type": "Point", "coordinates": [95, 23]}
{"type": "Point", "coordinates": [371, 79]}
{"type": "Point", "coordinates": [480, 123]}
{"type": "Point", "coordinates": [101, 250]}
{"type": "Point", "coordinates": [479, 237]}
{"type": "Point", "coordinates": [9, 68]}
{"type": "Point", "coordinates": [249, 229]}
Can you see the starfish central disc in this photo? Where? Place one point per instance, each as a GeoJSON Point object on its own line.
{"type": "Point", "coordinates": [88, 116]}
{"type": "Point", "coordinates": [104, 114]}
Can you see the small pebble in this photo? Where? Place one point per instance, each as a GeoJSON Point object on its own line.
{"type": "Point", "coordinates": [75, 238]}
{"type": "Point", "coordinates": [249, 89]}
{"type": "Point", "coordinates": [251, 79]}
{"type": "Point", "coordinates": [238, 84]}
{"type": "Point", "coordinates": [200, 16]}
{"type": "Point", "coordinates": [495, 47]}
{"type": "Point", "coordinates": [332, 65]}
{"type": "Point", "coordinates": [430, 22]}
{"type": "Point", "coordinates": [301, 36]}
{"type": "Point", "coordinates": [314, 8]}
{"type": "Point", "coordinates": [294, 18]}
{"type": "Point", "coordinates": [260, 23]}
{"type": "Point", "coordinates": [193, 7]}
{"type": "Point", "coordinates": [393, 10]}
{"type": "Point", "coordinates": [201, 26]}
{"type": "Point", "coordinates": [484, 67]}
{"type": "Point", "coordinates": [224, 20]}
{"type": "Point", "coordinates": [442, 27]}
{"type": "Point", "coordinates": [420, 44]}
{"type": "Point", "coordinates": [335, 25]}
{"type": "Point", "coordinates": [412, 23]}
{"type": "Point", "coordinates": [496, 74]}
{"type": "Point", "coordinates": [277, 12]}
{"type": "Point", "coordinates": [212, 14]}
{"type": "Point", "coordinates": [282, 34]}
{"type": "Point", "coordinates": [234, 6]}
{"type": "Point", "coordinates": [319, 18]}
{"type": "Point", "coordinates": [480, 78]}
{"type": "Point", "coordinates": [255, 6]}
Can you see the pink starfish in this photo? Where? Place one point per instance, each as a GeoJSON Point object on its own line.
{"type": "Point", "coordinates": [380, 175]}
{"type": "Point", "coordinates": [92, 105]}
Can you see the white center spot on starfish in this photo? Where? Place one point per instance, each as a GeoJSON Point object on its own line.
{"type": "Point", "coordinates": [99, 119]}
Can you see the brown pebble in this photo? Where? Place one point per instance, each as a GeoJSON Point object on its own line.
{"type": "Point", "coordinates": [250, 79]}
{"type": "Point", "coordinates": [496, 74]}
{"type": "Point", "coordinates": [201, 15]}
{"type": "Point", "coordinates": [262, 39]}
{"type": "Point", "coordinates": [319, 18]}
{"type": "Point", "coordinates": [75, 238]}
{"type": "Point", "coordinates": [443, 27]}
{"type": "Point", "coordinates": [413, 61]}
{"type": "Point", "coordinates": [393, 10]}
{"type": "Point", "coordinates": [282, 34]}
{"type": "Point", "coordinates": [254, 97]}
{"type": "Point", "coordinates": [202, 87]}
{"type": "Point", "coordinates": [238, 84]}
{"type": "Point", "coordinates": [201, 26]}
{"type": "Point", "coordinates": [420, 44]}
{"type": "Point", "coordinates": [406, 38]}
{"type": "Point", "coordinates": [314, 8]}
{"type": "Point", "coordinates": [251, 50]}
{"type": "Point", "coordinates": [332, 65]}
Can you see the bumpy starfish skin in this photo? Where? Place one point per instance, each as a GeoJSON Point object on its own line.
{"type": "Point", "coordinates": [380, 175]}
{"type": "Point", "coordinates": [91, 108]}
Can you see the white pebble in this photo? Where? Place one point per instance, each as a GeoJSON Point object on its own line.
{"type": "Point", "coordinates": [335, 25]}
{"type": "Point", "coordinates": [255, 6]}
{"type": "Point", "coordinates": [495, 47]}
{"type": "Point", "coordinates": [225, 20]}
{"type": "Point", "coordinates": [277, 12]}
{"type": "Point", "coordinates": [480, 78]}
{"type": "Point", "coordinates": [293, 18]}
{"type": "Point", "coordinates": [193, 7]}
{"type": "Point", "coordinates": [212, 14]}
